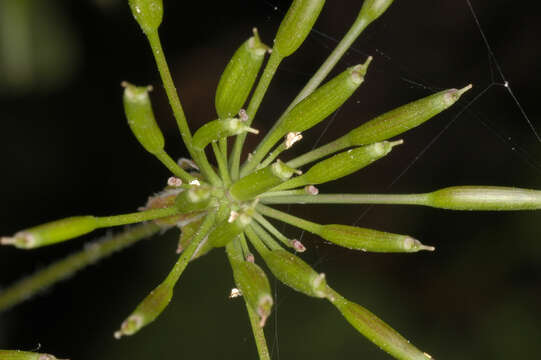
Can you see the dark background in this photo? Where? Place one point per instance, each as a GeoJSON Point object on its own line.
{"type": "Point", "coordinates": [66, 149]}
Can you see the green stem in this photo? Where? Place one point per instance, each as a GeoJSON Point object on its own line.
{"type": "Point", "coordinates": [320, 152]}
{"type": "Point", "coordinates": [273, 155]}
{"type": "Point", "coordinates": [353, 33]}
{"type": "Point", "coordinates": [391, 199]}
{"type": "Point", "coordinates": [289, 219]}
{"type": "Point", "coordinates": [222, 163]}
{"type": "Point", "coordinates": [265, 236]}
{"type": "Point", "coordinates": [256, 241]}
{"type": "Point", "coordinates": [259, 335]}
{"type": "Point", "coordinates": [65, 268]}
{"type": "Point", "coordinates": [136, 217]}
{"type": "Point", "coordinates": [187, 254]}
{"type": "Point", "coordinates": [174, 168]}
{"type": "Point", "coordinates": [273, 230]}
{"type": "Point", "coordinates": [234, 252]}
{"type": "Point", "coordinates": [170, 89]}
{"type": "Point", "coordinates": [283, 193]}
{"type": "Point", "coordinates": [255, 101]}
{"type": "Point", "coordinates": [244, 245]}
{"type": "Point", "coordinates": [178, 112]}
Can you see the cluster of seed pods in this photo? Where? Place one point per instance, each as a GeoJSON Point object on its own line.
{"type": "Point", "coordinates": [227, 205]}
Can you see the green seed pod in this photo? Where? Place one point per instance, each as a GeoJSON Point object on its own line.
{"type": "Point", "coordinates": [24, 355]}
{"type": "Point", "coordinates": [485, 198]}
{"type": "Point", "coordinates": [147, 311]}
{"type": "Point", "coordinates": [260, 181]}
{"type": "Point", "coordinates": [372, 9]}
{"type": "Point", "coordinates": [229, 229]}
{"type": "Point", "coordinates": [377, 331]}
{"type": "Point", "coordinates": [340, 165]}
{"type": "Point", "coordinates": [141, 119]}
{"type": "Point", "coordinates": [52, 232]}
{"type": "Point", "coordinates": [255, 288]}
{"type": "Point", "coordinates": [214, 130]}
{"type": "Point", "coordinates": [239, 77]}
{"type": "Point", "coordinates": [316, 107]}
{"type": "Point", "coordinates": [403, 118]}
{"type": "Point", "coordinates": [295, 273]}
{"type": "Point", "coordinates": [296, 25]}
{"type": "Point", "coordinates": [148, 13]}
{"type": "Point", "coordinates": [196, 198]}
{"type": "Point", "coordinates": [358, 238]}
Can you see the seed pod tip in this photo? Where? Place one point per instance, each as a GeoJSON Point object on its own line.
{"type": "Point", "coordinates": [129, 327]}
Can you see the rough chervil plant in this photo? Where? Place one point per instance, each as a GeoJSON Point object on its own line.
{"type": "Point", "coordinates": [228, 205]}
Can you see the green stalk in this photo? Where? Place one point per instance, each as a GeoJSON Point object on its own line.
{"type": "Point", "coordinates": [289, 219]}
{"type": "Point", "coordinates": [255, 101]}
{"type": "Point", "coordinates": [391, 199]}
{"type": "Point", "coordinates": [265, 236]}
{"type": "Point", "coordinates": [318, 153]}
{"type": "Point", "coordinates": [178, 112]}
{"type": "Point", "coordinates": [173, 167]}
{"type": "Point", "coordinates": [256, 241]}
{"type": "Point", "coordinates": [273, 155]}
{"type": "Point", "coordinates": [235, 253]}
{"type": "Point", "coordinates": [222, 164]}
{"type": "Point", "coordinates": [353, 33]}
{"type": "Point", "coordinates": [273, 230]}
{"type": "Point", "coordinates": [65, 268]}
{"type": "Point", "coordinates": [187, 254]}
{"type": "Point", "coordinates": [259, 334]}
{"type": "Point", "coordinates": [170, 89]}
{"type": "Point", "coordinates": [136, 217]}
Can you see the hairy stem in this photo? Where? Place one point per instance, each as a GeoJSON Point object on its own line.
{"type": "Point", "coordinates": [65, 268]}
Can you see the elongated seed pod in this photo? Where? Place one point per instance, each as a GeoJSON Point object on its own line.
{"type": "Point", "coordinates": [340, 165]}
{"type": "Point", "coordinates": [24, 355]}
{"type": "Point", "coordinates": [229, 229]}
{"type": "Point", "coordinates": [260, 181]}
{"type": "Point", "coordinates": [52, 232]}
{"type": "Point", "coordinates": [214, 130]}
{"type": "Point", "coordinates": [377, 331]}
{"type": "Point", "coordinates": [239, 77]}
{"type": "Point", "coordinates": [295, 273]}
{"type": "Point", "coordinates": [403, 118]}
{"type": "Point", "coordinates": [255, 287]}
{"type": "Point", "coordinates": [195, 199]}
{"type": "Point", "coordinates": [372, 9]}
{"type": "Point", "coordinates": [296, 25]}
{"type": "Point", "coordinates": [147, 311]}
{"type": "Point", "coordinates": [141, 119]}
{"type": "Point", "coordinates": [316, 107]}
{"type": "Point", "coordinates": [485, 198]}
{"type": "Point", "coordinates": [358, 238]}
{"type": "Point", "coordinates": [147, 13]}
